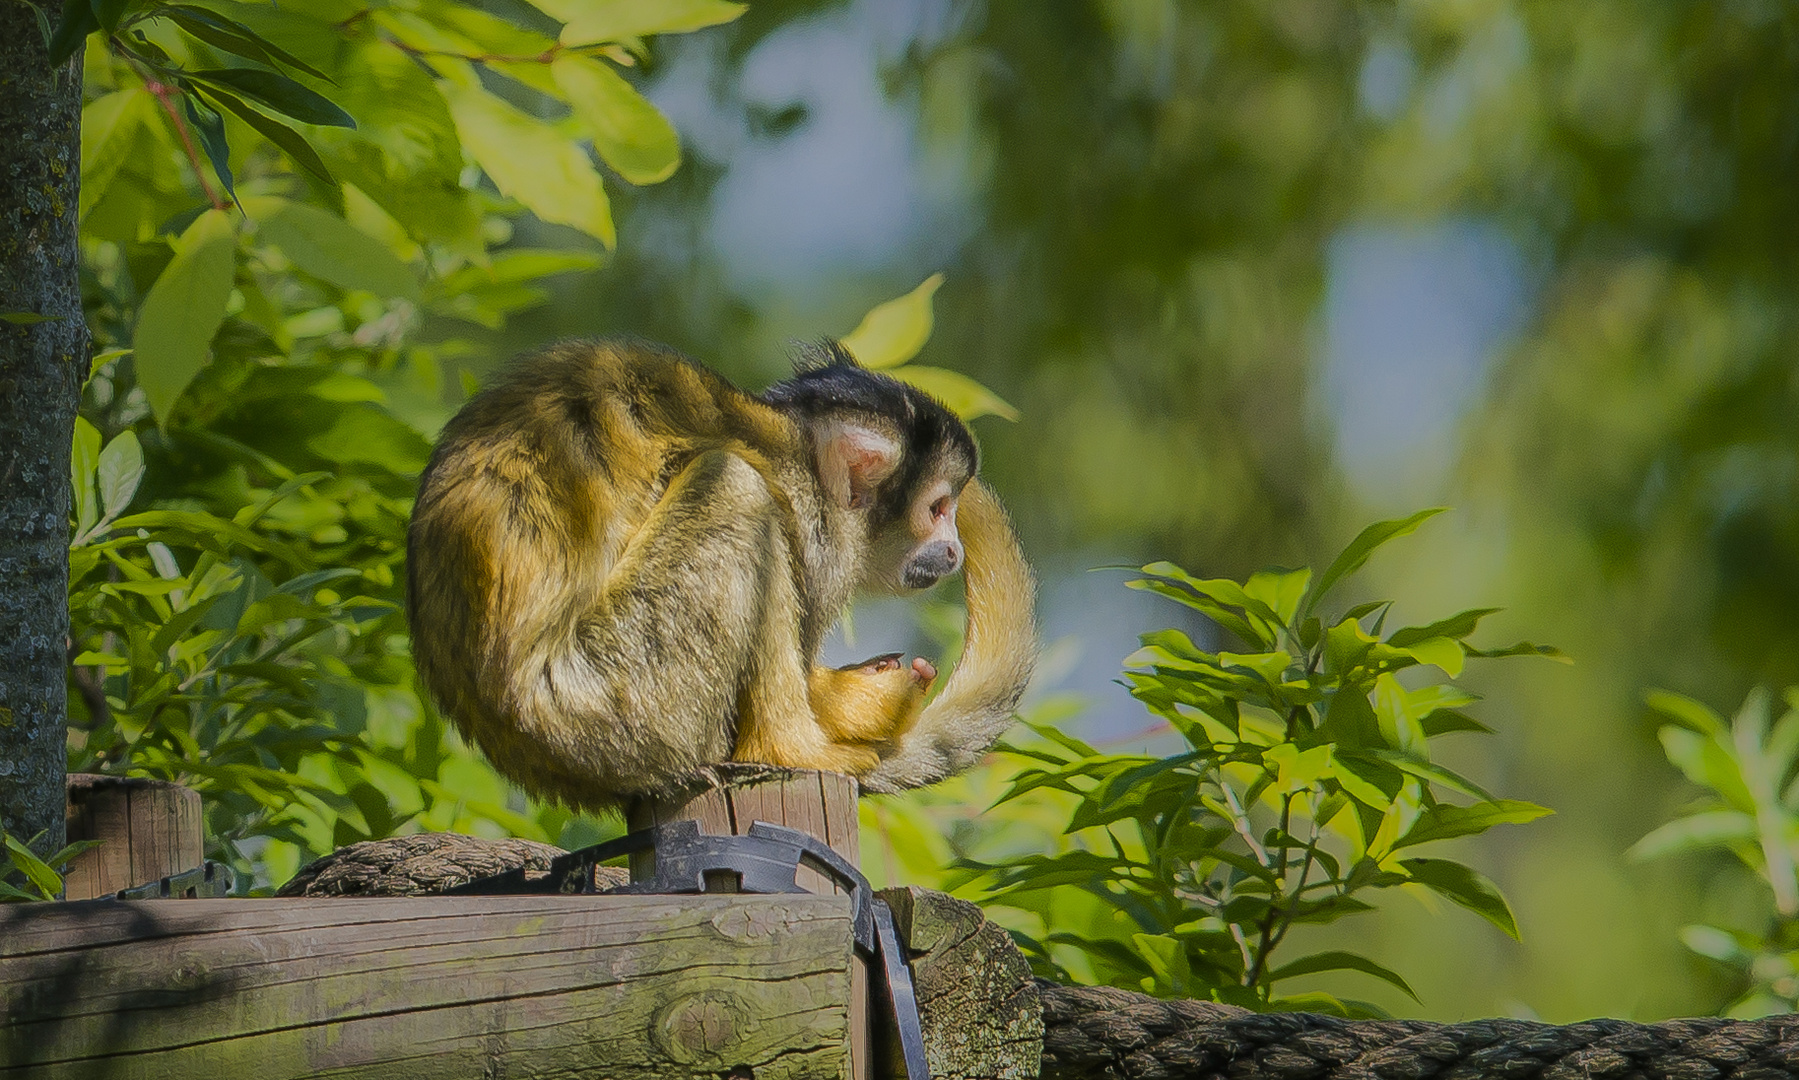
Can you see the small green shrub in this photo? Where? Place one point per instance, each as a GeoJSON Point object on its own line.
{"type": "Point", "coordinates": [1307, 784]}
{"type": "Point", "coordinates": [1749, 768]}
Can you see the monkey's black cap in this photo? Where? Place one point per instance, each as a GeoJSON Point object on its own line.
{"type": "Point", "coordinates": [827, 380]}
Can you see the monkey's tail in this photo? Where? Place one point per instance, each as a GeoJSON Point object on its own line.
{"type": "Point", "coordinates": [982, 694]}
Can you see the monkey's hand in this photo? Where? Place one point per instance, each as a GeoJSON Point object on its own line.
{"type": "Point", "coordinates": [874, 701]}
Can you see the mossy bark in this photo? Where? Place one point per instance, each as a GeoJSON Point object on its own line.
{"type": "Point", "coordinates": [42, 364]}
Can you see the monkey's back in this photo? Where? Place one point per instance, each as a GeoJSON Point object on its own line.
{"type": "Point", "coordinates": [532, 495]}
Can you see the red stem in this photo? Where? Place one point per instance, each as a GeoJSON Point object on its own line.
{"type": "Point", "coordinates": [163, 94]}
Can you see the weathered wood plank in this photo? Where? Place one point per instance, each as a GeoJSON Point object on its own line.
{"type": "Point", "coordinates": [821, 804]}
{"type": "Point", "coordinates": [634, 987]}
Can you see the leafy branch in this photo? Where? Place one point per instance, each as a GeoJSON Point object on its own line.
{"type": "Point", "coordinates": [1308, 774]}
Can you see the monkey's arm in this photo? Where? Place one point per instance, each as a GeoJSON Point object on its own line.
{"type": "Point", "coordinates": [1001, 649]}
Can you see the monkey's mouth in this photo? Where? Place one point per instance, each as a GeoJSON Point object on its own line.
{"type": "Point", "coordinates": [920, 577]}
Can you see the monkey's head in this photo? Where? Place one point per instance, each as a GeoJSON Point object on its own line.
{"type": "Point", "coordinates": [888, 451]}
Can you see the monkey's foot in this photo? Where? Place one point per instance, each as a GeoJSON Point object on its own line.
{"type": "Point", "coordinates": [875, 701]}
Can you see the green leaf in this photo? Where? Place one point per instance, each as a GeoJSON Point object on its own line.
{"type": "Point", "coordinates": [593, 21]}
{"type": "Point", "coordinates": [210, 127]}
{"type": "Point", "coordinates": [121, 469]}
{"type": "Point", "coordinates": [184, 309]}
{"type": "Point", "coordinates": [894, 331]}
{"type": "Point", "coordinates": [1281, 590]}
{"type": "Point", "coordinates": [279, 93]}
{"type": "Point", "coordinates": [1694, 714]}
{"type": "Point", "coordinates": [77, 22]}
{"type": "Point", "coordinates": [964, 397]}
{"type": "Point", "coordinates": [1464, 886]}
{"type": "Point", "coordinates": [1436, 774]}
{"type": "Point", "coordinates": [1360, 548]}
{"type": "Point", "coordinates": [1339, 960]}
{"type": "Point", "coordinates": [289, 140]}
{"type": "Point", "coordinates": [331, 249]}
{"type": "Point", "coordinates": [629, 133]}
{"type": "Point", "coordinates": [84, 460]}
{"type": "Point", "coordinates": [530, 161]}
{"type": "Point", "coordinates": [1445, 652]}
{"type": "Point", "coordinates": [1457, 626]}
{"type": "Point", "coordinates": [232, 36]}
{"type": "Point", "coordinates": [1445, 721]}
{"type": "Point", "coordinates": [1720, 945]}
{"type": "Point", "coordinates": [108, 12]}
{"type": "Point", "coordinates": [1444, 821]}
{"type": "Point", "coordinates": [26, 318]}
{"type": "Point", "coordinates": [1399, 722]}
{"type": "Point", "coordinates": [48, 881]}
{"type": "Point", "coordinates": [1711, 829]}
{"type": "Point", "coordinates": [1706, 762]}
{"type": "Point", "coordinates": [109, 131]}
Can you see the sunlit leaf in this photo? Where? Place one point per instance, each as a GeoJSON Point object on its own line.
{"type": "Point", "coordinates": [593, 21]}
{"type": "Point", "coordinates": [109, 130]}
{"type": "Point", "coordinates": [894, 331]}
{"type": "Point", "coordinates": [530, 161]}
{"type": "Point", "coordinates": [1338, 960]}
{"type": "Point", "coordinates": [1360, 548]}
{"type": "Point", "coordinates": [184, 309]}
{"type": "Point", "coordinates": [965, 397]}
{"type": "Point", "coordinates": [1465, 886]}
{"type": "Point", "coordinates": [629, 133]}
{"type": "Point", "coordinates": [83, 463]}
{"type": "Point", "coordinates": [1444, 821]}
{"type": "Point", "coordinates": [1694, 714]}
{"type": "Point", "coordinates": [1711, 829]}
{"type": "Point", "coordinates": [120, 470]}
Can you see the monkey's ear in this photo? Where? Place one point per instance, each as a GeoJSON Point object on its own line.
{"type": "Point", "coordinates": [853, 459]}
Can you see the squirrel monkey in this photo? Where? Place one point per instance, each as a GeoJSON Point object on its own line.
{"type": "Point", "coordinates": [621, 570]}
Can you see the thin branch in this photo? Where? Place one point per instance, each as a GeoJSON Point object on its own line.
{"type": "Point", "coordinates": [163, 93]}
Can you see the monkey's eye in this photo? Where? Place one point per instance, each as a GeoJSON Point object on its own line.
{"type": "Point", "coordinates": [940, 508]}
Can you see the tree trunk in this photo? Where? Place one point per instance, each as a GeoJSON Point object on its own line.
{"type": "Point", "coordinates": [42, 365]}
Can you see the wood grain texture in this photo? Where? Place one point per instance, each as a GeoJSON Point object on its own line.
{"type": "Point", "coordinates": [147, 830]}
{"type": "Point", "coordinates": [620, 987]}
{"type": "Point", "coordinates": [820, 804]}
{"type": "Point", "coordinates": [977, 1002]}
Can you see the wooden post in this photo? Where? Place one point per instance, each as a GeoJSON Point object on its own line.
{"type": "Point", "coordinates": [147, 829]}
{"type": "Point", "coordinates": [818, 803]}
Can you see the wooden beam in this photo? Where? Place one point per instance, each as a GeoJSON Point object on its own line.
{"type": "Point", "coordinates": [629, 988]}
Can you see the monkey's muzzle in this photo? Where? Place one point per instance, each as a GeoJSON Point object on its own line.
{"type": "Point", "coordinates": [933, 563]}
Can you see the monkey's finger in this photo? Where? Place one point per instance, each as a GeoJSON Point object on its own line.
{"type": "Point", "coordinates": [924, 670]}
{"type": "Point", "coordinates": [876, 664]}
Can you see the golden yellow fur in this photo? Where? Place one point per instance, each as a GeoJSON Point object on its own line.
{"type": "Point", "coordinates": [622, 568]}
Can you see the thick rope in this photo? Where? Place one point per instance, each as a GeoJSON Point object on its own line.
{"type": "Point", "coordinates": [1108, 1034]}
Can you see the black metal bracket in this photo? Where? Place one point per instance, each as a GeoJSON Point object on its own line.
{"type": "Point", "coordinates": [765, 860]}
{"type": "Point", "coordinates": [209, 879]}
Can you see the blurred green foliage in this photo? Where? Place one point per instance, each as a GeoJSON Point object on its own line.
{"type": "Point", "coordinates": [1750, 770]}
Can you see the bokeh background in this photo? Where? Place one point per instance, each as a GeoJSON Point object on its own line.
{"type": "Point", "coordinates": [1254, 274]}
